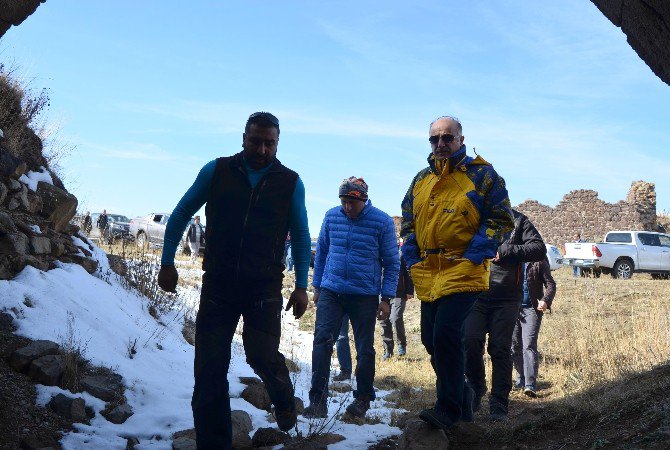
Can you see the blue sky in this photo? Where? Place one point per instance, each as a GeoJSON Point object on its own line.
{"type": "Point", "coordinates": [148, 92]}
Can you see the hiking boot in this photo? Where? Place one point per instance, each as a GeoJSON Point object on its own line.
{"type": "Point", "coordinates": [467, 415]}
{"type": "Point", "coordinates": [316, 411]}
{"type": "Point", "coordinates": [342, 376]}
{"type": "Point", "coordinates": [401, 350]}
{"type": "Point", "coordinates": [359, 406]}
{"type": "Point", "coordinates": [286, 418]}
{"type": "Point", "coordinates": [530, 392]}
{"type": "Point", "coordinates": [436, 418]}
{"type": "Point", "coordinates": [518, 386]}
{"type": "Point", "coordinates": [498, 413]}
{"type": "Point", "coordinates": [387, 355]}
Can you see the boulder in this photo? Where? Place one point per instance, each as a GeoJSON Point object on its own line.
{"type": "Point", "coordinates": [418, 435]}
{"type": "Point", "coordinates": [6, 223]}
{"type": "Point", "coordinates": [47, 370]}
{"type": "Point", "coordinates": [117, 264]}
{"type": "Point", "coordinates": [88, 264]}
{"type": "Point", "coordinates": [58, 206]}
{"type": "Point", "coordinates": [22, 196]}
{"type": "Point", "coordinates": [15, 242]}
{"type": "Point", "coordinates": [28, 260]}
{"type": "Point", "coordinates": [14, 185]}
{"type": "Point", "coordinates": [16, 11]}
{"type": "Point", "coordinates": [73, 409]}
{"type": "Point", "coordinates": [22, 357]}
{"type": "Point", "coordinates": [3, 192]}
{"type": "Point", "coordinates": [257, 395]}
{"type": "Point", "coordinates": [34, 204]}
{"type": "Point", "coordinates": [57, 248]}
{"type": "Point", "coordinates": [242, 426]}
{"type": "Point", "coordinates": [40, 245]}
{"type": "Point", "coordinates": [118, 414]}
{"type": "Point", "coordinates": [266, 437]}
{"type": "Point", "coordinates": [104, 387]}
{"type": "Point", "coordinates": [10, 165]}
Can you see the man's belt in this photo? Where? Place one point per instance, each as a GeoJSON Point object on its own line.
{"type": "Point", "coordinates": [439, 251]}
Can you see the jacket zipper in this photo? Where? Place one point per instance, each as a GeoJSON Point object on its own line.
{"type": "Point", "coordinates": [257, 191]}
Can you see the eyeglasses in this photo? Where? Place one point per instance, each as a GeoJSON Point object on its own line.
{"type": "Point", "coordinates": [446, 138]}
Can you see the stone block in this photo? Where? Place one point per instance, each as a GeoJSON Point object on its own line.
{"type": "Point", "coordinates": [47, 370]}
{"type": "Point", "coordinates": [58, 206]}
{"type": "Point", "coordinates": [21, 358]}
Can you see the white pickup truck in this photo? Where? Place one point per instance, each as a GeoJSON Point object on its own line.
{"type": "Point", "coordinates": [622, 254]}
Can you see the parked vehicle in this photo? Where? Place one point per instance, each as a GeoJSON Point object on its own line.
{"type": "Point", "coordinates": [150, 230]}
{"type": "Point", "coordinates": [622, 254]}
{"type": "Point", "coordinates": [117, 228]}
{"type": "Point", "coordinates": [554, 256]}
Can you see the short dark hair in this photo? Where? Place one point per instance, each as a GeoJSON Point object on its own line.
{"type": "Point", "coordinates": [263, 120]}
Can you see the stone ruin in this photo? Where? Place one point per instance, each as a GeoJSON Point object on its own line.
{"type": "Point", "coordinates": [581, 211]}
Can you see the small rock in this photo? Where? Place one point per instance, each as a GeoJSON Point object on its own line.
{"type": "Point", "coordinates": [292, 366]}
{"type": "Point", "coordinates": [15, 242]}
{"type": "Point", "coordinates": [188, 331]}
{"type": "Point", "coordinates": [47, 370]}
{"type": "Point", "coordinates": [6, 223]}
{"type": "Point", "coordinates": [118, 414]}
{"type": "Point", "coordinates": [22, 357]}
{"type": "Point", "coordinates": [340, 386]}
{"type": "Point", "coordinates": [184, 443]}
{"type": "Point", "coordinates": [105, 388]}
{"type": "Point", "coordinates": [257, 395]}
{"type": "Point", "coordinates": [268, 437]}
{"type": "Point", "coordinates": [73, 409]}
{"type": "Point", "coordinates": [131, 442]}
{"type": "Point", "coordinates": [40, 245]}
{"type": "Point", "coordinates": [13, 204]}
{"type": "Point", "coordinates": [250, 380]}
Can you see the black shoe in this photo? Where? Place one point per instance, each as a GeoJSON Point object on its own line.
{"type": "Point", "coordinates": [359, 406]}
{"type": "Point", "coordinates": [436, 419]}
{"type": "Point", "coordinates": [316, 411]}
{"type": "Point", "coordinates": [343, 376]}
{"type": "Point", "coordinates": [467, 414]}
{"type": "Point", "coordinates": [498, 413]}
{"type": "Point", "coordinates": [286, 418]}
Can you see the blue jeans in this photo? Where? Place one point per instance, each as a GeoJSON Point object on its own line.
{"type": "Point", "coordinates": [442, 332]}
{"type": "Point", "coordinates": [576, 271]}
{"type": "Point", "coordinates": [342, 346]}
{"type": "Point", "coordinates": [362, 312]}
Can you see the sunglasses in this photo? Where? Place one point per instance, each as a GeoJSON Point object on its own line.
{"type": "Point", "coordinates": [446, 138]}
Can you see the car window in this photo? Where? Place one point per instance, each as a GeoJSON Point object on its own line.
{"type": "Point", "coordinates": [664, 240]}
{"type": "Point", "coordinates": [649, 239]}
{"type": "Point", "coordinates": [619, 238]}
{"type": "Point", "coordinates": [157, 218]}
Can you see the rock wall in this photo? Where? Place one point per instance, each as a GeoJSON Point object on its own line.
{"type": "Point", "coordinates": [581, 211]}
{"type": "Point", "coordinates": [13, 12]}
{"type": "Point", "coordinates": [646, 24]}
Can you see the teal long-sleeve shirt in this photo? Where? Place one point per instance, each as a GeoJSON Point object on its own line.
{"type": "Point", "coordinates": [196, 196]}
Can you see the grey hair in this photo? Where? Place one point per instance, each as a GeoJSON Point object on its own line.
{"type": "Point", "coordinates": [459, 127]}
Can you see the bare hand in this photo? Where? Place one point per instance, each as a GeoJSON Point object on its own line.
{"type": "Point", "coordinates": [315, 298]}
{"type": "Point", "coordinates": [167, 278]}
{"type": "Point", "coordinates": [410, 296]}
{"type": "Point", "coordinates": [542, 306]}
{"type": "Point", "coordinates": [298, 301]}
{"type": "Point", "coordinates": [383, 310]}
{"type": "Point", "coordinates": [497, 257]}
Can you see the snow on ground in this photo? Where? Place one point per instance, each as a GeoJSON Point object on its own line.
{"type": "Point", "coordinates": [32, 178]}
{"type": "Point", "coordinates": [104, 319]}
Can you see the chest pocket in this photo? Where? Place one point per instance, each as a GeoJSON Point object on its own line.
{"type": "Point", "coordinates": [457, 218]}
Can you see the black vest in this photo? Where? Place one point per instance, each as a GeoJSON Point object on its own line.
{"type": "Point", "coordinates": [246, 228]}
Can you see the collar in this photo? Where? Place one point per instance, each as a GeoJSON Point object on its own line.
{"type": "Point", "coordinates": [366, 209]}
{"type": "Point", "coordinates": [460, 158]}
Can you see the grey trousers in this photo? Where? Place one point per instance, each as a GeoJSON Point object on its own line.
{"type": "Point", "coordinates": [524, 347]}
{"type": "Point", "coordinates": [395, 320]}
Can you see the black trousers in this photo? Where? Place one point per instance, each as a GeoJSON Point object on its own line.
{"type": "Point", "coordinates": [497, 319]}
{"type": "Point", "coordinates": [221, 306]}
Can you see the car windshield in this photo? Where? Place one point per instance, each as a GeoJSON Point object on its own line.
{"type": "Point", "coordinates": [117, 218]}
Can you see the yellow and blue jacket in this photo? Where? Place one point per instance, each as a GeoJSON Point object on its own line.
{"type": "Point", "coordinates": [454, 216]}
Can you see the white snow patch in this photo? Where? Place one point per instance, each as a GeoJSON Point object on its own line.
{"type": "Point", "coordinates": [31, 178]}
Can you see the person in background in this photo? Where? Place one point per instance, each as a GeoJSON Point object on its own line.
{"type": "Point", "coordinates": [356, 261]}
{"type": "Point", "coordinates": [102, 224]}
{"type": "Point", "coordinates": [495, 314]}
{"type": "Point", "coordinates": [344, 352]}
{"type": "Point", "coordinates": [454, 216]}
{"type": "Point", "coordinates": [87, 223]}
{"type": "Point", "coordinates": [253, 200]}
{"type": "Point", "coordinates": [404, 291]}
{"type": "Point", "coordinates": [577, 271]}
{"type": "Point", "coordinates": [539, 289]}
{"type": "Point", "coordinates": [196, 238]}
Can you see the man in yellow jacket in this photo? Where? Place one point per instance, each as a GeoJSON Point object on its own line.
{"type": "Point", "coordinates": [454, 216]}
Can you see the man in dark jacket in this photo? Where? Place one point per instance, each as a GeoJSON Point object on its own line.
{"type": "Point", "coordinates": [539, 289]}
{"type": "Point", "coordinates": [87, 223]}
{"type": "Point", "coordinates": [495, 313]}
{"type": "Point", "coordinates": [102, 223]}
{"type": "Point", "coordinates": [252, 202]}
{"type": "Point", "coordinates": [356, 261]}
{"type": "Point", "coordinates": [404, 291]}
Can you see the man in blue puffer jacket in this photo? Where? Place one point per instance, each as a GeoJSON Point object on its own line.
{"type": "Point", "coordinates": [356, 261]}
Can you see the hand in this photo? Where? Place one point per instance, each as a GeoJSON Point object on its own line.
{"type": "Point", "coordinates": [383, 310]}
{"type": "Point", "coordinates": [410, 296]}
{"type": "Point", "coordinates": [497, 257]}
{"type": "Point", "coordinates": [542, 306]}
{"type": "Point", "coordinates": [315, 298]}
{"type": "Point", "coordinates": [298, 301]}
{"type": "Point", "coordinates": [167, 278]}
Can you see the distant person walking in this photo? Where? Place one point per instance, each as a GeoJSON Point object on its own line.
{"type": "Point", "coordinates": [87, 223]}
{"type": "Point", "coordinates": [344, 352]}
{"type": "Point", "coordinates": [539, 289]}
{"type": "Point", "coordinates": [577, 271]}
{"type": "Point", "coordinates": [196, 238]}
{"type": "Point", "coordinates": [102, 224]}
{"type": "Point", "coordinates": [253, 200]}
{"type": "Point", "coordinates": [404, 291]}
{"type": "Point", "coordinates": [356, 261]}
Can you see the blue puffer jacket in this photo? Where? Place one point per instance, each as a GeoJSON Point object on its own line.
{"type": "Point", "coordinates": [352, 253]}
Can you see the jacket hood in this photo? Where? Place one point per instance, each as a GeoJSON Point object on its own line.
{"type": "Point", "coordinates": [459, 158]}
